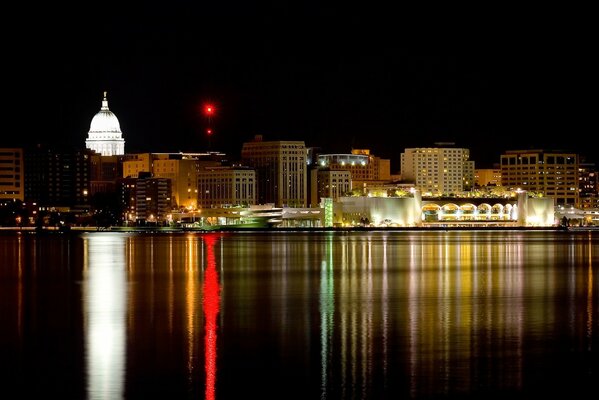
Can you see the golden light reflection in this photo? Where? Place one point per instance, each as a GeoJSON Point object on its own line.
{"type": "Point", "coordinates": [453, 287]}
{"type": "Point", "coordinates": [590, 294]}
{"type": "Point", "coordinates": [191, 293]}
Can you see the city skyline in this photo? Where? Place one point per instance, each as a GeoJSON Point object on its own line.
{"type": "Point", "coordinates": [336, 86]}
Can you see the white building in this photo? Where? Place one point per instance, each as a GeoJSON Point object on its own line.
{"type": "Point", "coordinates": [105, 136]}
{"type": "Point", "coordinates": [438, 170]}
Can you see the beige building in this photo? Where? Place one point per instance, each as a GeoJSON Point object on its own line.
{"type": "Point", "coordinates": [554, 174]}
{"type": "Point", "coordinates": [180, 170]}
{"type": "Point", "coordinates": [281, 171]}
{"type": "Point", "coordinates": [226, 186]}
{"type": "Point", "coordinates": [438, 170]}
{"type": "Point", "coordinates": [12, 185]}
{"type": "Point", "coordinates": [487, 177]}
{"type": "Point", "coordinates": [329, 183]}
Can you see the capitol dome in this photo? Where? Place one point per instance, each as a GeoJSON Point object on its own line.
{"type": "Point", "coordinates": [105, 136]}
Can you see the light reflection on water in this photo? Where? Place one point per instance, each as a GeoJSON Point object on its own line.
{"type": "Point", "coordinates": [327, 315]}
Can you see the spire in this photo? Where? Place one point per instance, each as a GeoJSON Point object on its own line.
{"type": "Point", "coordinates": [104, 103]}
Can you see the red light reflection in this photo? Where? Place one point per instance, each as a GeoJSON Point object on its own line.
{"type": "Point", "coordinates": [211, 304]}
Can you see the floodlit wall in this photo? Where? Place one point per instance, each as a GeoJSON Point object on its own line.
{"type": "Point", "coordinates": [540, 212]}
{"type": "Point", "coordinates": [399, 211]}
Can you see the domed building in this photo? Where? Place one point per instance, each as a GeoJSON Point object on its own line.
{"type": "Point", "coordinates": [105, 136]}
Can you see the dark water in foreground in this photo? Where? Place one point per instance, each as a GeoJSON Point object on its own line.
{"type": "Point", "coordinates": [364, 315]}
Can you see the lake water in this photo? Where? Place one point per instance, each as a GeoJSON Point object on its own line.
{"type": "Point", "coordinates": [299, 315]}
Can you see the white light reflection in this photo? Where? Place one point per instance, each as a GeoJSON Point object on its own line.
{"type": "Point", "coordinates": [104, 308]}
{"type": "Point", "coordinates": [327, 312]}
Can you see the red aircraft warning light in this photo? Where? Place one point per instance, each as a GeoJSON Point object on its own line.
{"type": "Point", "coordinates": [209, 109]}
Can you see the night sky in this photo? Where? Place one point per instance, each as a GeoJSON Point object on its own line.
{"type": "Point", "coordinates": [383, 80]}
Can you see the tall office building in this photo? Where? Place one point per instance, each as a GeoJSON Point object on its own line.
{"type": "Point", "coordinates": [588, 185]}
{"type": "Point", "coordinates": [552, 173]}
{"type": "Point", "coordinates": [58, 178]}
{"type": "Point", "coordinates": [329, 183]}
{"type": "Point", "coordinates": [12, 185]}
{"type": "Point", "coordinates": [226, 186]}
{"type": "Point", "coordinates": [438, 170]}
{"type": "Point", "coordinates": [281, 171]}
{"type": "Point", "coordinates": [105, 136]}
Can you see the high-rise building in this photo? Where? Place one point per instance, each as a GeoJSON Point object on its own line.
{"type": "Point", "coordinates": [551, 173]}
{"type": "Point", "coordinates": [226, 186]}
{"type": "Point", "coordinates": [152, 199]}
{"type": "Point", "coordinates": [12, 186]}
{"type": "Point", "coordinates": [281, 171]}
{"type": "Point", "coordinates": [438, 170]}
{"type": "Point", "coordinates": [58, 178]}
{"type": "Point", "coordinates": [329, 183]}
{"type": "Point", "coordinates": [588, 185]}
{"type": "Point", "coordinates": [105, 136]}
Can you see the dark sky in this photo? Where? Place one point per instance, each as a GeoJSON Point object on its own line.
{"type": "Point", "coordinates": [382, 79]}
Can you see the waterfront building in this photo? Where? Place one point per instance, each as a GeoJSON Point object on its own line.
{"type": "Point", "coordinates": [226, 186]}
{"type": "Point", "coordinates": [520, 209]}
{"type": "Point", "coordinates": [57, 178]}
{"type": "Point", "coordinates": [438, 170]}
{"type": "Point", "coordinates": [145, 199]}
{"type": "Point", "coordinates": [105, 136]}
{"type": "Point", "coordinates": [281, 171]}
{"type": "Point", "coordinates": [551, 173]}
{"type": "Point", "coordinates": [12, 184]}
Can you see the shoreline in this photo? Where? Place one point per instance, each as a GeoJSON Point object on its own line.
{"type": "Point", "coordinates": [140, 229]}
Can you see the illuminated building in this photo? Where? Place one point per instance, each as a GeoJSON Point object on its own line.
{"type": "Point", "coordinates": [366, 169]}
{"type": "Point", "coordinates": [221, 186]}
{"type": "Point", "coordinates": [281, 171]}
{"type": "Point", "coordinates": [588, 186]}
{"type": "Point", "coordinates": [554, 174]}
{"type": "Point", "coordinates": [521, 209]}
{"type": "Point", "coordinates": [105, 136]}
{"type": "Point", "coordinates": [181, 170]}
{"type": "Point", "coordinates": [329, 183]}
{"type": "Point", "coordinates": [152, 199]}
{"type": "Point", "coordinates": [487, 177]}
{"type": "Point", "coordinates": [12, 185]}
{"type": "Point", "coordinates": [438, 170]}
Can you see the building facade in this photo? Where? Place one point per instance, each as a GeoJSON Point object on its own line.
{"type": "Point", "coordinates": [550, 173]}
{"type": "Point", "coordinates": [105, 136]}
{"type": "Point", "coordinates": [487, 177]}
{"type": "Point", "coordinates": [12, 185]}
{"type": "Point", "coordinates": [366, 169]}
{"type": "Point", "coordinates": [226, 186]}
{"type": "Point", "coordinates": [57, 178]}
{"type": "Point", "coordinates": [329, 183]}
{"type": "Point", "coordinates": [438, 170]}
{"type": "Point", "coordinates": [588, 186]}
{"type": "Point", "coordinates": [281, 171]}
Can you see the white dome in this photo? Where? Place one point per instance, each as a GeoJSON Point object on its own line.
{"type": "Point", "coordinates": [105, 136]}
{"type": "Point", "coordinates": [105, 125]}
